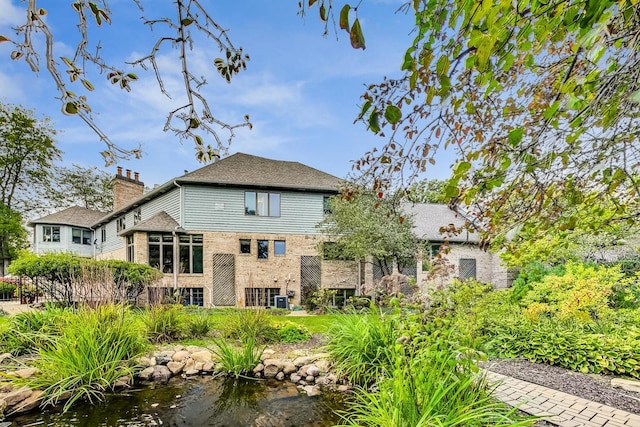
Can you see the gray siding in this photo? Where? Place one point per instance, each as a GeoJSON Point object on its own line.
{"type": "Point", "coordinates": [222, 209]}
{"type": "Point", "coordinates": [169, 202]}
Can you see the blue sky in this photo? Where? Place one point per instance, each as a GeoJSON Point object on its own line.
{"type": "Point", "coordinates": [302, 91]}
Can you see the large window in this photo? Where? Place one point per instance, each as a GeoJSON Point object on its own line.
{"type": "Point", "coordinates": [80, 236]}
{"type": "Point", "coordinates": [130, 249]}
{"type": "Point", "coordinates": [191, 253]}
{"type": "Point", "coordinates": [263, 249]}
{"type": "Point", "coordinates": [260, 297]}
{"type": "Point", "coordinates": [161, 252]}
{"type": "Point", "coordinates": [261, 204]}
{"type": "Point", "coordinates": [50, 233]}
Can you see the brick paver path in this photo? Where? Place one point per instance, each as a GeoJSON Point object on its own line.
{"type": "Point", "coordinates": [560, 408]}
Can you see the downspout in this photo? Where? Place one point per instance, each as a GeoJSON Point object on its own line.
{"type": "Point", "coordinates": [176, 247]}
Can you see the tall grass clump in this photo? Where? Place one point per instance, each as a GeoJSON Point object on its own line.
{"type": "Point", "coordinates": [198, 323]}
{"type": "Point", "coordinates": [360, 346]}
{"type": "Point", "coordinates": [249, 323]}
{"type": "Point", "coordinates": [31, 329]}
{"type": "Point", "coordinates": [164, 322]}
{"type": "Point", "coordinates": [430, 384]}
{"type": "Point", "coordinates": [238, 362]}
{"type": "Point", "coordinates": [89, 356]}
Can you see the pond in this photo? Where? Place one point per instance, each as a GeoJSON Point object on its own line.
{"type": "Point", "coordinates": [200, 402]}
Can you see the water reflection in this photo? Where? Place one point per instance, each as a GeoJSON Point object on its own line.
{"type": "Point", "coordinates": [201, 402]}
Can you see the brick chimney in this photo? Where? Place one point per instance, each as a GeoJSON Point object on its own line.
{"type": "Point", "coordinates": [126, 189]}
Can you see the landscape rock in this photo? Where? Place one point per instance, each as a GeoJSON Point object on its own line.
{"type": "Point", "coordinates": [191, 372]}
{"type": "Point", "coordinates": [146, 373]}
{"type": "Point", "coordinates": [29, 403]}
{"type": "Point", "coordinates": [208, 366]}
{"type": "Point", "coordinates": [344, 388]}
{"type": "Point", "coordinates": [310, 379]}
{"type": "Point", "coordinates": [17, 396]}
{"type": "Point", "coordinates": [626, 384]}
{"type": "Point", "coordinates": [175, 367]}
{"type": "Point", "coordinates": [278, 363]}
{"type": "Point", "coordinates": [5, 356]}
{"type": "Point", "coordinates": [270, 371]}
{"type": "Point", "coordinates": [24, 373]}
{"type": "Point", "coordinates": [312, 390]}
{"type": "Point", "coordinates": [258, 368]}
{"type": "Point", "coordinates": [179, 356]}
{"type": "Point", "coordinates": [161, 374]}
{"type": "Point", "coordinates": [313, 370]}
{"type": "Point", "coordinates": [202, 356]}
{"type": "Point", "coordinates": [305, 360]}
{"type": "Point", "coordinates": [164, 357]}
{"type": "Point", "coordinates": [289, 368]}
{"type": "Point", "coordinates": [194, 349]}
{"type": "Point", "coordinates": [280, 376]}
{"type": "Point", "coordinates": [295, 378]}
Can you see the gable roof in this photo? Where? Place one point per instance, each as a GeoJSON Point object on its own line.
{"type": "Point", "coordinates": [428, 218]}
{"type": "Point", "coordinates": [244, 170]}
{"type": "Point", "coordinates": [75, 215]}
{"type": "Point", "coordinates": [161, 222]}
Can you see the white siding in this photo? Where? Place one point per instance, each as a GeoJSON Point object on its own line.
{"type": "Point", "coordinates": [222, 209]}
{"type": "Point", "coordinates": [64, 245]}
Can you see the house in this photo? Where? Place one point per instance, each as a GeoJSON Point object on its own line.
{"type": "Point", "coordinates": [237, 232]}
{"type": "Point", "coordinates": [66, 231]}
{"type": "Point", "coordinates": [434, 224]}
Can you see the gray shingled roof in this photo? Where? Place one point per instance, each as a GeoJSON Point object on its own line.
{"type": "Point", "coordinates": [428, 218]}
{"type": "Point", "coordinates": [244, 169]}
{"type": "Point", "coordinates": [75, 215]}
{"type": "Point", "coordinates": [161, 222]}
{"type": "Point", "coordinates": [247, 171]}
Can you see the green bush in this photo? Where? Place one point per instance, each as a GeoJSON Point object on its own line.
{"type": "Point", "coordinates": [360, 346]}
{"type": "Point", "coordinates": [530, 274]}
{"type": "Point", "coordinates": [164, 322]}
{"type": "Point", "coordinates": [430, 383]}
{"type": "Point", "coordinates": [238, 362]}
{"type": "Point", "coordinates": [250, 323]}
{"type": "Point", "coordinates": [570, 346]}
{"type": "Point", "coordinates": [198, 323]}
{"type": "Point", "coordinates": [31, 329]}
{"type": "Point", "coordinates": [290, 333]}
{"type": "Point", "coordinates": [89, 355]}
{"type": "Point", "coordinates": [7, 288]}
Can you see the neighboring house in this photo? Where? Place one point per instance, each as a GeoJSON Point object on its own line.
{"type": "Point", "coordinates": [238, 232]}
{"type": "Point", "coordinates": [66, 231]}
{"type": "Point", "coordinates": [464, 259]}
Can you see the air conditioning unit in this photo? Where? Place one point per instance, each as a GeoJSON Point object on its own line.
{"type": "Point", "coordinates": [281, 301]}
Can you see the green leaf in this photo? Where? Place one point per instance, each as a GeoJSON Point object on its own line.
{"type": "Point", "coordinates": [323, 12]}
{"type": "Point", "coordinates": [344, 17]}
{"type": "Point", "coordinates": [515, 136]}
{"type": "Point", "coordinates": [365, 108]}
{"type": "Point", "coordinates": [392, 114]}
{"type": "Point", "coordinates": [356, 36]}
{"type": "Point", "coordinates": [461, 167]}
{"type": "Point", "coordinates": [87, 84]}
{"type": "Point", "coordinates": [442, 66]}
{"type": "Point", "coordinates": [551, 111]}
{"type": "Point", "coordinates": [373, 121]}
{"type": "Point", "coordinates": [635, 97]}
{"type": "Point", "coordinates": [70, 108]}
{"type": "Point", "coordinates": [186, 21]}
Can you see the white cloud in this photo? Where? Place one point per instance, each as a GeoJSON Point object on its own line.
{"type": "Point", "coordinates": [11, 14]}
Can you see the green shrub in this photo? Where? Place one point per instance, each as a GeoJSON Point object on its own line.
{"type": "Point", "coordinates": [30, 329]}
{"type": "Point", "coordinates": [164, 322]}
{"type": "Point", "coordinates": [238, 362]}
{"type": "Point", "coordinates": [89, 356]}
{"type": "Point", "coordinates": [360, 346]}
{"type": "Point", "coordinates": [430, 384]}
{"type": "Point", "coordinates": [290, 333]}
{"type": "Point", "coordinates": [530, 274]}
{"type": "Point", "coordinates": [198, 323]}
{"type": "Point", "coordinates": [250, 323]}
{"type": "Point", "coordinates": [7, 288]}
{"type": "Point", "coordinates": [568, 345]}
